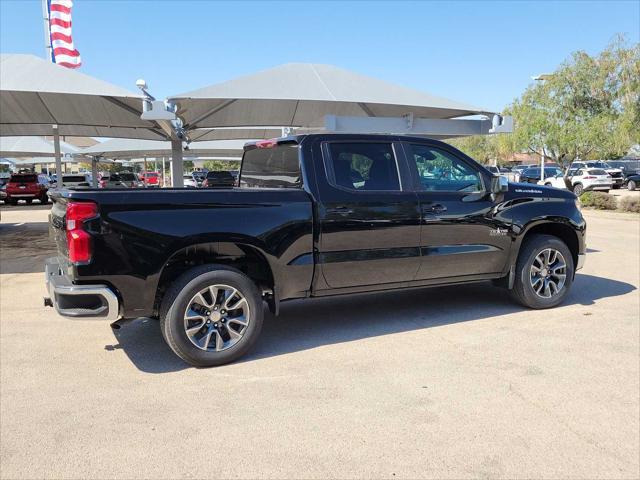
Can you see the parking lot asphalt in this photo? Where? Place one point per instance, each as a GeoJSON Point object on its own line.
{"type": "Point", "coordinates": [454, 382]}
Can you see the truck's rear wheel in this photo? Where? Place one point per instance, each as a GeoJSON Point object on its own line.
{"type": "Point", "coordinates": [211, 315]}
{"type": "Point", "coordinates": [544, 272]}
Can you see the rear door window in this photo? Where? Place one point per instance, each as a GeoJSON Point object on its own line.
{"type": "Point", "coordinates": [363, 166]}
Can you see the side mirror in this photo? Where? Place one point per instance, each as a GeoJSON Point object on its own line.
{"type": "Point", "coordinates": [499, 184]}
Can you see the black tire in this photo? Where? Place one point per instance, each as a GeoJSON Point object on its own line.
{"type": "Point", "coordinates": [13, 202]}
{"type": "Point", "coordinates": [29, 201]}
{"type": "Point", "coordinates": [631, 186]}
{"type": "Point", "coordinates": [616, 187]}
{"type": "Point", "coordinates": [547, 184]}
{"type": "Point", "coordinates": [44, 200]}
{"type": "Point", "coordinates": [578, 189]}
{"type": "Point", "coordinates": [605, 191]}
{"type": "Point", "coordinates": [523, 291]}
{"type": "Point", "coordinates": [181, 292]}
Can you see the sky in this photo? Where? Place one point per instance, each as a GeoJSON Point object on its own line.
{"type": "Point", "coordinates": [481, 53]}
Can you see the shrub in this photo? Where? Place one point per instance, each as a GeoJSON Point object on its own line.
{"type": "Point", "coordinates": [630, 204]}
{"type": "Point", "coordinates": [598, 200]}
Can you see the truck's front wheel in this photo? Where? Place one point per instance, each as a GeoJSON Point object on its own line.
{"type": "Point", "coordinates": [211, 315]}
{"type": "Point", "coordinates": [544, 272]}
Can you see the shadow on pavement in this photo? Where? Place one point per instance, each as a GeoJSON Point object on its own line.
{"type": "Point", "coordinates": [24, 247]}
{"type": "Point", "coordinates": [303, 325]}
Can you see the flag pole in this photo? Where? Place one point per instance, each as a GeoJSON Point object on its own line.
{"type": "Point", "coordinates": [47, 32]}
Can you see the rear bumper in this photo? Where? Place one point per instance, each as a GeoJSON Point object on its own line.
{"type": "Point", "coordinates": [80, 302]}
{"type": "Point", "coordinates": [23, 195]}
{"type": "Point", "coordinates": [604, 186]}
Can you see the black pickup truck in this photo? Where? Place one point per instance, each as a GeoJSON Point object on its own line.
{"type": "Point", "coordinates": [313, 215]}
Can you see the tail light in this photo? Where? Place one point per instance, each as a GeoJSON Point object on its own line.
{"type": "Point", "coordinates": [78, 239]}
{"type": "Point", "coordinates": [270, 143]}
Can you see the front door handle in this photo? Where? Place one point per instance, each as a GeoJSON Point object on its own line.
{"type": "Point", "coordinates": [436, 208]}
{"type": "Point", "coordinates": [344, 211]}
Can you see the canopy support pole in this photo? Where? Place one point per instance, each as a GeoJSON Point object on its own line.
{"type": "Point", "coordinates": [177, 167]}
{"type": "Point", "coordinates": [164, 181]}
{"type": "Point", "coordinates": [56, 147]}
{"type": "Point", "coordinates": [144, 174]}
{"type": "Point", "coordinates": [94, 172]}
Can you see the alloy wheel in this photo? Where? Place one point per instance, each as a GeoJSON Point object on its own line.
{"type": "Point", "coordinates": [216, 318]}
{"type": "Point", "coordinates": [548, 273]}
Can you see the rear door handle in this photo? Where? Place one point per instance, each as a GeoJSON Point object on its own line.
{"type": "Point", "coordinates": [340, 211]}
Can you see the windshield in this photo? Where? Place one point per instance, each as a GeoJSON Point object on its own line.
{"type": "Point", "coordinates": [600, 165]}
{"type": "Point", "coordinates": [274, 167]}
{"type": "Point", "coordinates": [127, 177]}
{"type": "Point", "coordinates": [151, 175]}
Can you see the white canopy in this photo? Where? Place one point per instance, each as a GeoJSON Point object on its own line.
{"type": "Point", "coordinates": [121, 148]}
{"type": "Point", "coordinates": [238, 133]}
{"type": "Point", "coordinates": [32, 147]}
{"type": "Point", "coordinates": [36, 94]}
{"type": "Point", "coordinates": [299, 94]}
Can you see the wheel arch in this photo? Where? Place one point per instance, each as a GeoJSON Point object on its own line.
{"type": "Point", "coordinates": [247, 259]}
{"type": "Point", "coordinates": [559, 229]}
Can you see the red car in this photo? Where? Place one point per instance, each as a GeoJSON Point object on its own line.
{"type": "Point", "coordinates": [152, 178]}
{"type": "Point", "coordinates": [28, 187]}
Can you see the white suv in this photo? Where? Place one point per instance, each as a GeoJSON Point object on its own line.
{"type": "Point", "coordinates": [617, 177]}
{"type": "Point", "coordinates": [583, 180]}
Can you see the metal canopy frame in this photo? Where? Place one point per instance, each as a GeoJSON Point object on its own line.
{"type": "Point", "coordinates": [408, 125]}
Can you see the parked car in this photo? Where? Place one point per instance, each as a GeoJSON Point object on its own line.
{"type": "Point", "coordinates": [150, 179]}
{"type": "Point", "coordinates": [27, 187]}
{"type": "Point", "coordinates": [129, 179]}
{"type": "Point", "coordinates": [115, 180]}
{"type": "Point", "coordinates": [189, 181]}
{"type": "Point", "coordinates": [632, 182]}
{"type": "Point", "coordinates": [199, 177]}
{"type": "Point", "coordinates": [532, 175]}
{"type": "Point", "coordinates": [314, 215]}
{"type": "Point", "coordinates": [628, 167]}
{"type": "Point", "coordinates": [583, 180]}
{"type": "Point", "coordinates": [617, 175]}
{"type": "Point", "coordinates": [219, 179]}
{"type": "Point", "coordinates": [3, 191]}
{"type": "Point", "coordinates": [77, 180]}
{"type": "Point", "coordinates": [518, 169]}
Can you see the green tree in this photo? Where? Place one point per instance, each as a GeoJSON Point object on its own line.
{"type": "Point", "coordinates": [217, 165]}
{"type": "Point", "coordinates": [589, 108]}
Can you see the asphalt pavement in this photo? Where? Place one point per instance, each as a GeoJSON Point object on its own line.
{"type": "Point", "coordinates": [455, 382]}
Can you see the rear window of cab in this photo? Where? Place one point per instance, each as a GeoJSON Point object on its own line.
{"type": "Point", "coordinates": [273, 167]}
{"type": "Point", "coordinates": [23, 179]}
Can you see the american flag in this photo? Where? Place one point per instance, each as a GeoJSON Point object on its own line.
{"type": "Point", "coordinates": [62, 50]}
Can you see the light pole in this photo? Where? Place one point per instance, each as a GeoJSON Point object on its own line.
{"type": "Point", "coordinates": [541, 78]}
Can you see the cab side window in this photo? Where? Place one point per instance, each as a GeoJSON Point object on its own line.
{"type": "Point", "coordinates": [363, 166]}
{"type": "Point", "coordinates": [439, 170]}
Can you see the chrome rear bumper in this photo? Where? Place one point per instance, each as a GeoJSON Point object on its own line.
{"type": "Point", "coordinates": [80, 302]}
